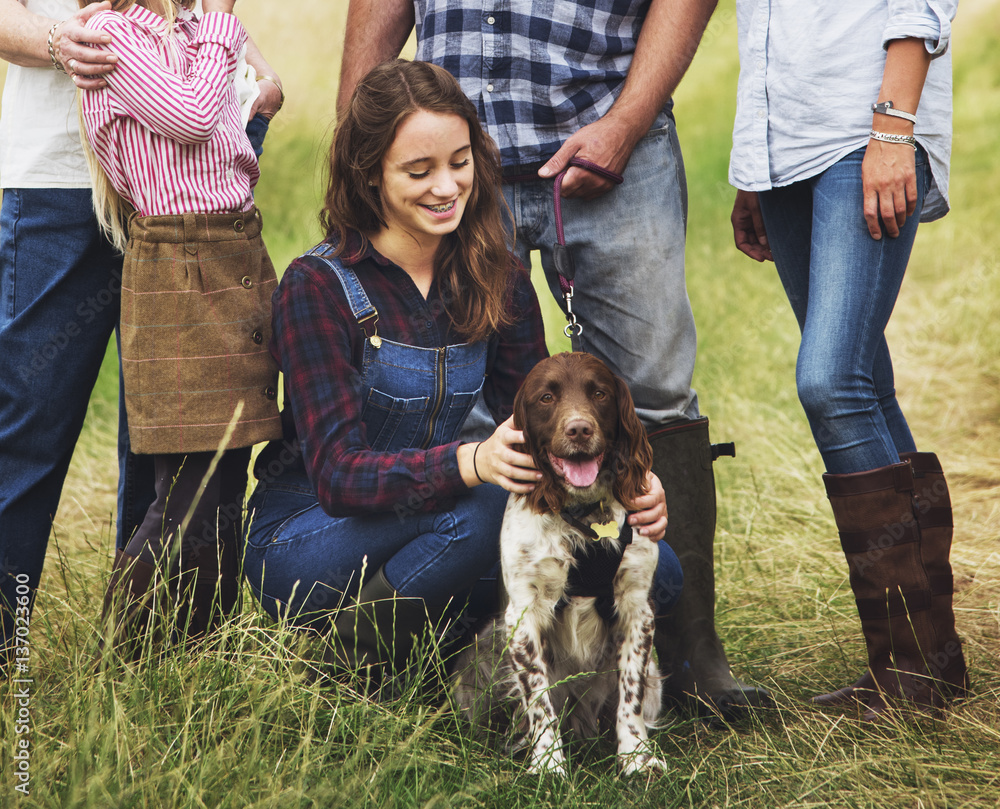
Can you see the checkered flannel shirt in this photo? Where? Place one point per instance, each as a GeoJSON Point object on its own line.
{"type": "Point", "coordinates": [538, 70]}
{"type": "Point", "coordinates": [319, 347]}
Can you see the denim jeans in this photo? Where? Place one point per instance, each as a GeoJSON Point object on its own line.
{"type": "Point", "coordinates": [60, 284]}
{"type": "Point", "coordinates": [628, 250]}
{"type": "Point", "coordinates": [256, 131]}
{"type": "Point", "coordinates": [300, 561]}
{"type": "Point", "coordinates": [842, 285]}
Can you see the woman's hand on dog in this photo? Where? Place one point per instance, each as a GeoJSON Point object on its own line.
{"type": "Point", "coordinates": [499, 460]}
{"type": "Point", "coordinates": [650, 519]}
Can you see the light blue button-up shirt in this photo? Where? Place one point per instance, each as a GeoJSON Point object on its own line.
{"type": "Point", "coordinates": [809, 73]}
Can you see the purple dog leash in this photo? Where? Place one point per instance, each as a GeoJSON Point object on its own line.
{"type": "Point", "coordinates": [561, 256]}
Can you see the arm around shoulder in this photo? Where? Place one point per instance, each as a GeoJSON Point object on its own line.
{"type": "Point", "coordinates": [31, 40]}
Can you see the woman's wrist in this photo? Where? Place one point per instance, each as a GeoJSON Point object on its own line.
{"type": "Point", "coordinates": [891, 126]}
{"type": "Point", "coordinates": [469, 464]}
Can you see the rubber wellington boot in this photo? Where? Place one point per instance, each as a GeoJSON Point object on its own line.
{"type": "Point", "coordinates": [691, 655]}
{"type": "Point", "coordinates": [373, 638]}
{"type": "Point", "coordinates": [881, 540]}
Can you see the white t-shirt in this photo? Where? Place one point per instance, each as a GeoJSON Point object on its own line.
{"type": "Point", "coordinates": [39, 126]}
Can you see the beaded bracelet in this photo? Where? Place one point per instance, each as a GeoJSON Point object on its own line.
{"type": "Point", "coordinates": [52, 48]}
{"type": "Point", "coordinates": [909, 140]}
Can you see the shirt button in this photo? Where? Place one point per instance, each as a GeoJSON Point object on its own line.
{"type": "Point", "coordinates": [270, 393]}
{"type": "Point", "coordinates": [489, 88]}
{"type": "Point", "coordinates": [490, 20]}
{"type": "Point", "coordinates": [229, 174]}
{"type": "Point", "coordinates": [761, 114]}
{"type": "Point", "coordinates": [258, 337]}
{"type": "Point", "coordinates": [247, 283]}
{"type": "Point", "coordinates": [760, 64]}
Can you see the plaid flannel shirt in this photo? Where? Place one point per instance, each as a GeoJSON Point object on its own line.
{"type": "Point", "coordinates": [538, 70]}
{"type": "Point", "coordinates": [319, 346]}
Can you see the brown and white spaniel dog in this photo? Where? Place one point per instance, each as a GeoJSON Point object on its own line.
{"type": "Point", "coordinates": [573, 647]}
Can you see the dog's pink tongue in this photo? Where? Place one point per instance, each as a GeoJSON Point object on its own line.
{"type": "Point", "coordinates": [581, 473]}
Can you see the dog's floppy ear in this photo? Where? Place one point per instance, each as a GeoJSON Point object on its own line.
{"type": "Point", "coordinates": [633, 455]}
{"type": "Point", "coordinates": [547, 494]}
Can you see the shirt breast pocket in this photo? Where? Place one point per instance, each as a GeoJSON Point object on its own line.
{"type": "Point", "coordinates": [393, 424]}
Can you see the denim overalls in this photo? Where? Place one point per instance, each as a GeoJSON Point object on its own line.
{"type": "Point", "coordinates": [414, 398]}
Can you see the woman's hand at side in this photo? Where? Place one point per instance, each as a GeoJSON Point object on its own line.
{"type": "Point", "coordinates": [496, 460]}
{"type": "Point", "coordinates": [748, 227]}
{"type": "Point", "coordinates": [888, 172]}
{"type": "Point", "coordinates": [889, 178]}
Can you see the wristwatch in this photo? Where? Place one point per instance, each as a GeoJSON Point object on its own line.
{"type": "Point", "coordinates": [887, 108]}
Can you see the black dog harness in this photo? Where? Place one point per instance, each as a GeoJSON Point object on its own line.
{"type": "Point", "coordinates": [596, 562]}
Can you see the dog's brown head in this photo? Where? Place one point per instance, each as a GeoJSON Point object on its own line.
{"type": "Point", "coordinates": [581, 429]}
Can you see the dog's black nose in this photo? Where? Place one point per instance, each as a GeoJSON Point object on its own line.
{"type": "Point", "coordinates": [579, 430]}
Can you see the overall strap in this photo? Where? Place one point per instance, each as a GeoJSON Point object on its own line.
{"type": "Point", "coordinates": [357, 298]}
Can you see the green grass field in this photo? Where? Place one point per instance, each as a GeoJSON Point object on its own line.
{"type": "Point", "coordinates": [240, 725]}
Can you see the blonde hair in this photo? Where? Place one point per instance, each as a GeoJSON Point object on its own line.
{"type": "Point", "coordinates": [111, 210]}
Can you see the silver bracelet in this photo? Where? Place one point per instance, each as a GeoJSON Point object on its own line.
{"type": "Point", "coordinates": [909, 140]}
{"type": "Point", "coordinates": [887, 108]}
{"type": "Point", "coordinates": [52, 48]}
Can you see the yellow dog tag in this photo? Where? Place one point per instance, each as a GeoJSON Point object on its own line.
{"type": "Point", "coordinates": [605, 530]}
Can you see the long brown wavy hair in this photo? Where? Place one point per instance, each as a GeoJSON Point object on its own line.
{"type": "Point", "coordinates": [473, 264]}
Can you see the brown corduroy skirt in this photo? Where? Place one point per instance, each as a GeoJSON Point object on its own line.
{"type": "Point", "coordinates": [195, 328]}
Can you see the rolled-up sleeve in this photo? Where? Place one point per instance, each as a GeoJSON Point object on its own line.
{"type": "Point", "coordinates": [929, 21]}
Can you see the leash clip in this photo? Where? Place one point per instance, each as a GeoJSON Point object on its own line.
{"type": "Point", "coordinates": [562, 258]}
{"type": "Point", "coordinates": [573, 328]}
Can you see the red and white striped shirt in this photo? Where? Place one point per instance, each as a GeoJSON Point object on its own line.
{"type": "Point", "coordinates": [167, 128]}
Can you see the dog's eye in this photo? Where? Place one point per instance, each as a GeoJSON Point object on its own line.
{"type": "Point", "coordinates": [547, 398]}
{"type": "Point", "coordinates": [600, 394]}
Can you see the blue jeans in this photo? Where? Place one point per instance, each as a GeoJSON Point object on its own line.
{"type": "Point", "coordinates": [256, 131]}
{"type": "Point", "coordinates": [300, 561]}
{"type": "Point", "coordinates": [60, 284]}
{"type": "Point", "coordinates": [630, 293]}
{"type": "Point", "coordinates": [842, 285]}
{"type": "Point", "coordinates": [303, 563]}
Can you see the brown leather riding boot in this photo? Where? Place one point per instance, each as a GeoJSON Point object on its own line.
{"type": "Point", "coordinates": [208, 589]}
{"type": "Point", "coordinates": [128, 604]}
{"type": "Point", "coordinates": [880, 538]}
{"type": "Point", "coordinates": [932, 506]}
{"type": "Point", "coordinates": [691, 656]}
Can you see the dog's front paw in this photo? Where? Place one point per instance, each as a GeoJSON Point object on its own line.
{"type": "Point", "coordinates": [641, 762]}
{"type": "Point", "coordinates": [550, 762]}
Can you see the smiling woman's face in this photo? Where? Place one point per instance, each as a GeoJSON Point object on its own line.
{"type": "Point", "coordinates": [427, 176]}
